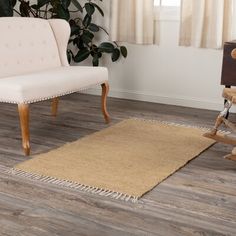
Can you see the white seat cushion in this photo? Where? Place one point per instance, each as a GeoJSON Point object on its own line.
{"type": "Point", "coordinates": [50, 83]}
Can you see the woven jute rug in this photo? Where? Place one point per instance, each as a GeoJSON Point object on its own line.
{"type": "Point", "coordinates": [123, 161]}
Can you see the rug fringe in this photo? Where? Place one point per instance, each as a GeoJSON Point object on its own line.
{"type": "Point", "coordinates": [74, 185]}
{"type": "Point", "coordinates": [178, 125]}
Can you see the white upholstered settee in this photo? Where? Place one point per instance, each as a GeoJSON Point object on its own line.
{"type": "Point", "coordinates": [34, 67]}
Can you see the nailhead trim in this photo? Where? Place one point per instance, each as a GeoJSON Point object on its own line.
{"type": "Point", "coordinates": [54, 96]}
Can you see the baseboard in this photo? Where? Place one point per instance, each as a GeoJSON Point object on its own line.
{"type": "Point", "coordinates": [156, 98]}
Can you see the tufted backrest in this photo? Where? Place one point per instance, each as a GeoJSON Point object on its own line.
{"type": "Point", "coordinates": [30, 45]}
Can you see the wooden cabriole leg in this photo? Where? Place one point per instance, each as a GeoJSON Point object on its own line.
{"type": "Point", "coordinates": [232, 156]}
{"type": "Point", "coordinates": [55, 106]}
{"type": "Point", "coordinates": [220, 119]}
{"type": "Point", "coordinates": [105, 91]}
{"type": "Point", "coordinates": [24, 123]}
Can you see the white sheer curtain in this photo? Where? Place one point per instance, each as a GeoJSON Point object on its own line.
{"type": "Point", "coordinates": [132, 21]}
{"type": "Point", "coordinates": [207, 23]}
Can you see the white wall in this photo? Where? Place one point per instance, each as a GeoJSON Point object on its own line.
{"type": "Point", "coordinates": [168, 73]}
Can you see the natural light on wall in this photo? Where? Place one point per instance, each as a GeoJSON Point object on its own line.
{"type": "Point", "coordinates": [168, 3]}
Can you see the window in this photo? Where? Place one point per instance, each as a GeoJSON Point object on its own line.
{"type": "Point", "coordinates": [167, 3]}
{"type": "Point", "coordinates": [167, 10]}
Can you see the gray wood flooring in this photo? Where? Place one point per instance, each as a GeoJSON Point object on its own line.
{"type": "Point", "coordinates": [200, 199]}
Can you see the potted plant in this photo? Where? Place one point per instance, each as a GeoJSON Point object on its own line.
{"type": "Point", "coordinates": [83, 28]}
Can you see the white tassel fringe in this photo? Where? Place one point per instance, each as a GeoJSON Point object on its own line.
{"type": "Point", "coordinates": [73, 185]}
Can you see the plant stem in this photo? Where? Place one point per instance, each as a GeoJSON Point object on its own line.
{"type": "Point", "coordinates": [103, 29]}
{"type": "Point", "coordinates": [17, 12]}
{"type": "Point", "coordinates": [46, 11]}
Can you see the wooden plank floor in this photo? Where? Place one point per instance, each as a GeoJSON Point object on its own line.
{"type": "Point", "coordinates": [200, 199]}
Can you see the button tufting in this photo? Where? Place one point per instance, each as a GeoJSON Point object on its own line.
{"type": "Point", "coordinates": [27, 44]}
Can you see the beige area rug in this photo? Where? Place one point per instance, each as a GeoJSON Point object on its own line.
{"type": "Point", "coordinates": [123, 161]}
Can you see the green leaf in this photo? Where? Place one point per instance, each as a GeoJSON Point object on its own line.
{"type": "Point", "coordinates": [98, 8]}
{"type": "Point", "coordinates": [82, 55]}
{"type": "Point", "coordinates": [24, 9]}
{"type": "Point", "coordinates": [69, 58]}
{"type": "Point", "coordinates": [93, 27]}
{"type": "Point", "coordinates": [75, 40]}
{"type": "Point", "coordinates": [87, 37]}
{"type": "Point", "coordinates": [77, 5]}
{"type": "Point", "coordinates": [88, 34]}
{"type": "Point", "coordinates": [115, 55]}
{"type": "Point", "coordinates": [62, 13]}
{"type": "Point", "coordinates": [90, 9]}
{"type": "Point", "coordinates": [124, 51]}
{"type": "Point", "coordinates": [78, 42]}
{"type": "Point", "coordinates": [42, 3]}
{"type": "Point", "coordinates": [6, 8]}
{"type": "Point", "coordinates": [65, 3]}
{"type": "Point", "coordinates": [13, 2]}
{"type": "Point", "coordinates": [35, 6]}
{"type": "Point", "coordinates": [99, 54]}
{"type": "Point", "coordinates": [75, 29]}
{"type": "Point", "coordinates": [87, 20]}
{"type": "Point", "coordinates": [95, 48]}
{"type": "Point", "coordinates": [106, 47]}
{"type": "Point", "coordinates": [95, 60]}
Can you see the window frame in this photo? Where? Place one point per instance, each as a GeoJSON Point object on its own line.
{"type": "Point", "coordinates": [161, 3]}
{"type": "Point", "coordinates": [166, 13]}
